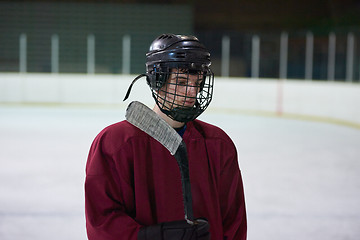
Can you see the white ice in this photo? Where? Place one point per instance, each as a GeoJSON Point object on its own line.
{"type": "Point", "coordinates": [301, 178]}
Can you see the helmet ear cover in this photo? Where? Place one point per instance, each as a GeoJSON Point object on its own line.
{"type": "Point", "coordinates": [157, 77]}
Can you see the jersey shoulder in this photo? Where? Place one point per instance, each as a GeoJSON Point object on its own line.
{"type": "Point", "coordinates": [117, 134]}
{"type": "Point", "coordinates": [210, 131]}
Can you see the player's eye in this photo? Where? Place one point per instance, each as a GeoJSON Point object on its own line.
{"type": "Point", "coordinates": [182, 81]}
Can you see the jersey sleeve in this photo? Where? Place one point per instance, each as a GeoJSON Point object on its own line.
{"type": "Point", "coordinates": [108, 214]}
{"type": "Point", "coordinates": [232, 199]}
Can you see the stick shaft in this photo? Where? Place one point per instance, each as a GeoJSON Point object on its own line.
{"type": "Point", "coordinates": [182, 160]}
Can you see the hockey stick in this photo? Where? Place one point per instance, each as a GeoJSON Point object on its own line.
{"type": "Point", "coordinates": [151, 123]}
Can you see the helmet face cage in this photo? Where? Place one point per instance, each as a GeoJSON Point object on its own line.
{"type": "Point", "coordinates": [183, 93]}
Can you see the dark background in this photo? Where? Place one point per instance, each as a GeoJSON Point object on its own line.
{"type": "Point", "coordinates": [260, 15]}
{"type": "Point", "coordinates": [209, 20]}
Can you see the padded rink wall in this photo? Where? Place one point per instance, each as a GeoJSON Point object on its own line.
{"type": "Point", "coordinates": [325, 101]}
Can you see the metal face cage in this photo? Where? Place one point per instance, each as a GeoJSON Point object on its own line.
{"type": "Point", "coordinates": [185, 94]}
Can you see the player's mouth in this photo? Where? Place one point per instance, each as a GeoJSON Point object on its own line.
{"type": "Point", "coordinates": [189, 103]}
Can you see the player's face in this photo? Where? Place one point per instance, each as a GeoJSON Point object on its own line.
{"type": "Point", "coordinates": [181, 89]}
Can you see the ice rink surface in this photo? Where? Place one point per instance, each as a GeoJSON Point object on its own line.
{"type": "Point", "coordinates": [301, 178]}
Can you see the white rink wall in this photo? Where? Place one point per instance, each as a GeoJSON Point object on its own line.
{"type": "Point", "coordinates": [332, 101]}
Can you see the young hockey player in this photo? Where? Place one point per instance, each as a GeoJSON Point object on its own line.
{"type": "Point", "coordinates": [133, 188]}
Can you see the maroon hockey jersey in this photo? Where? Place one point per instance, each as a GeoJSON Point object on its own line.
{"type": "Point", "coordinates": [133, 181]}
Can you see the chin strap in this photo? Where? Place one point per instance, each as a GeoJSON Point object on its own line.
{"type": "Point", "coordinates": [132, 83]}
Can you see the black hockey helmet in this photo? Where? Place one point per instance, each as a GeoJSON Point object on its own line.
{"type": "Point", "coordinates": [178, 55]}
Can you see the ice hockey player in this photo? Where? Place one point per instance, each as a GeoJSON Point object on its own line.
{"type": "Point", "coordinates": [133, 188]}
